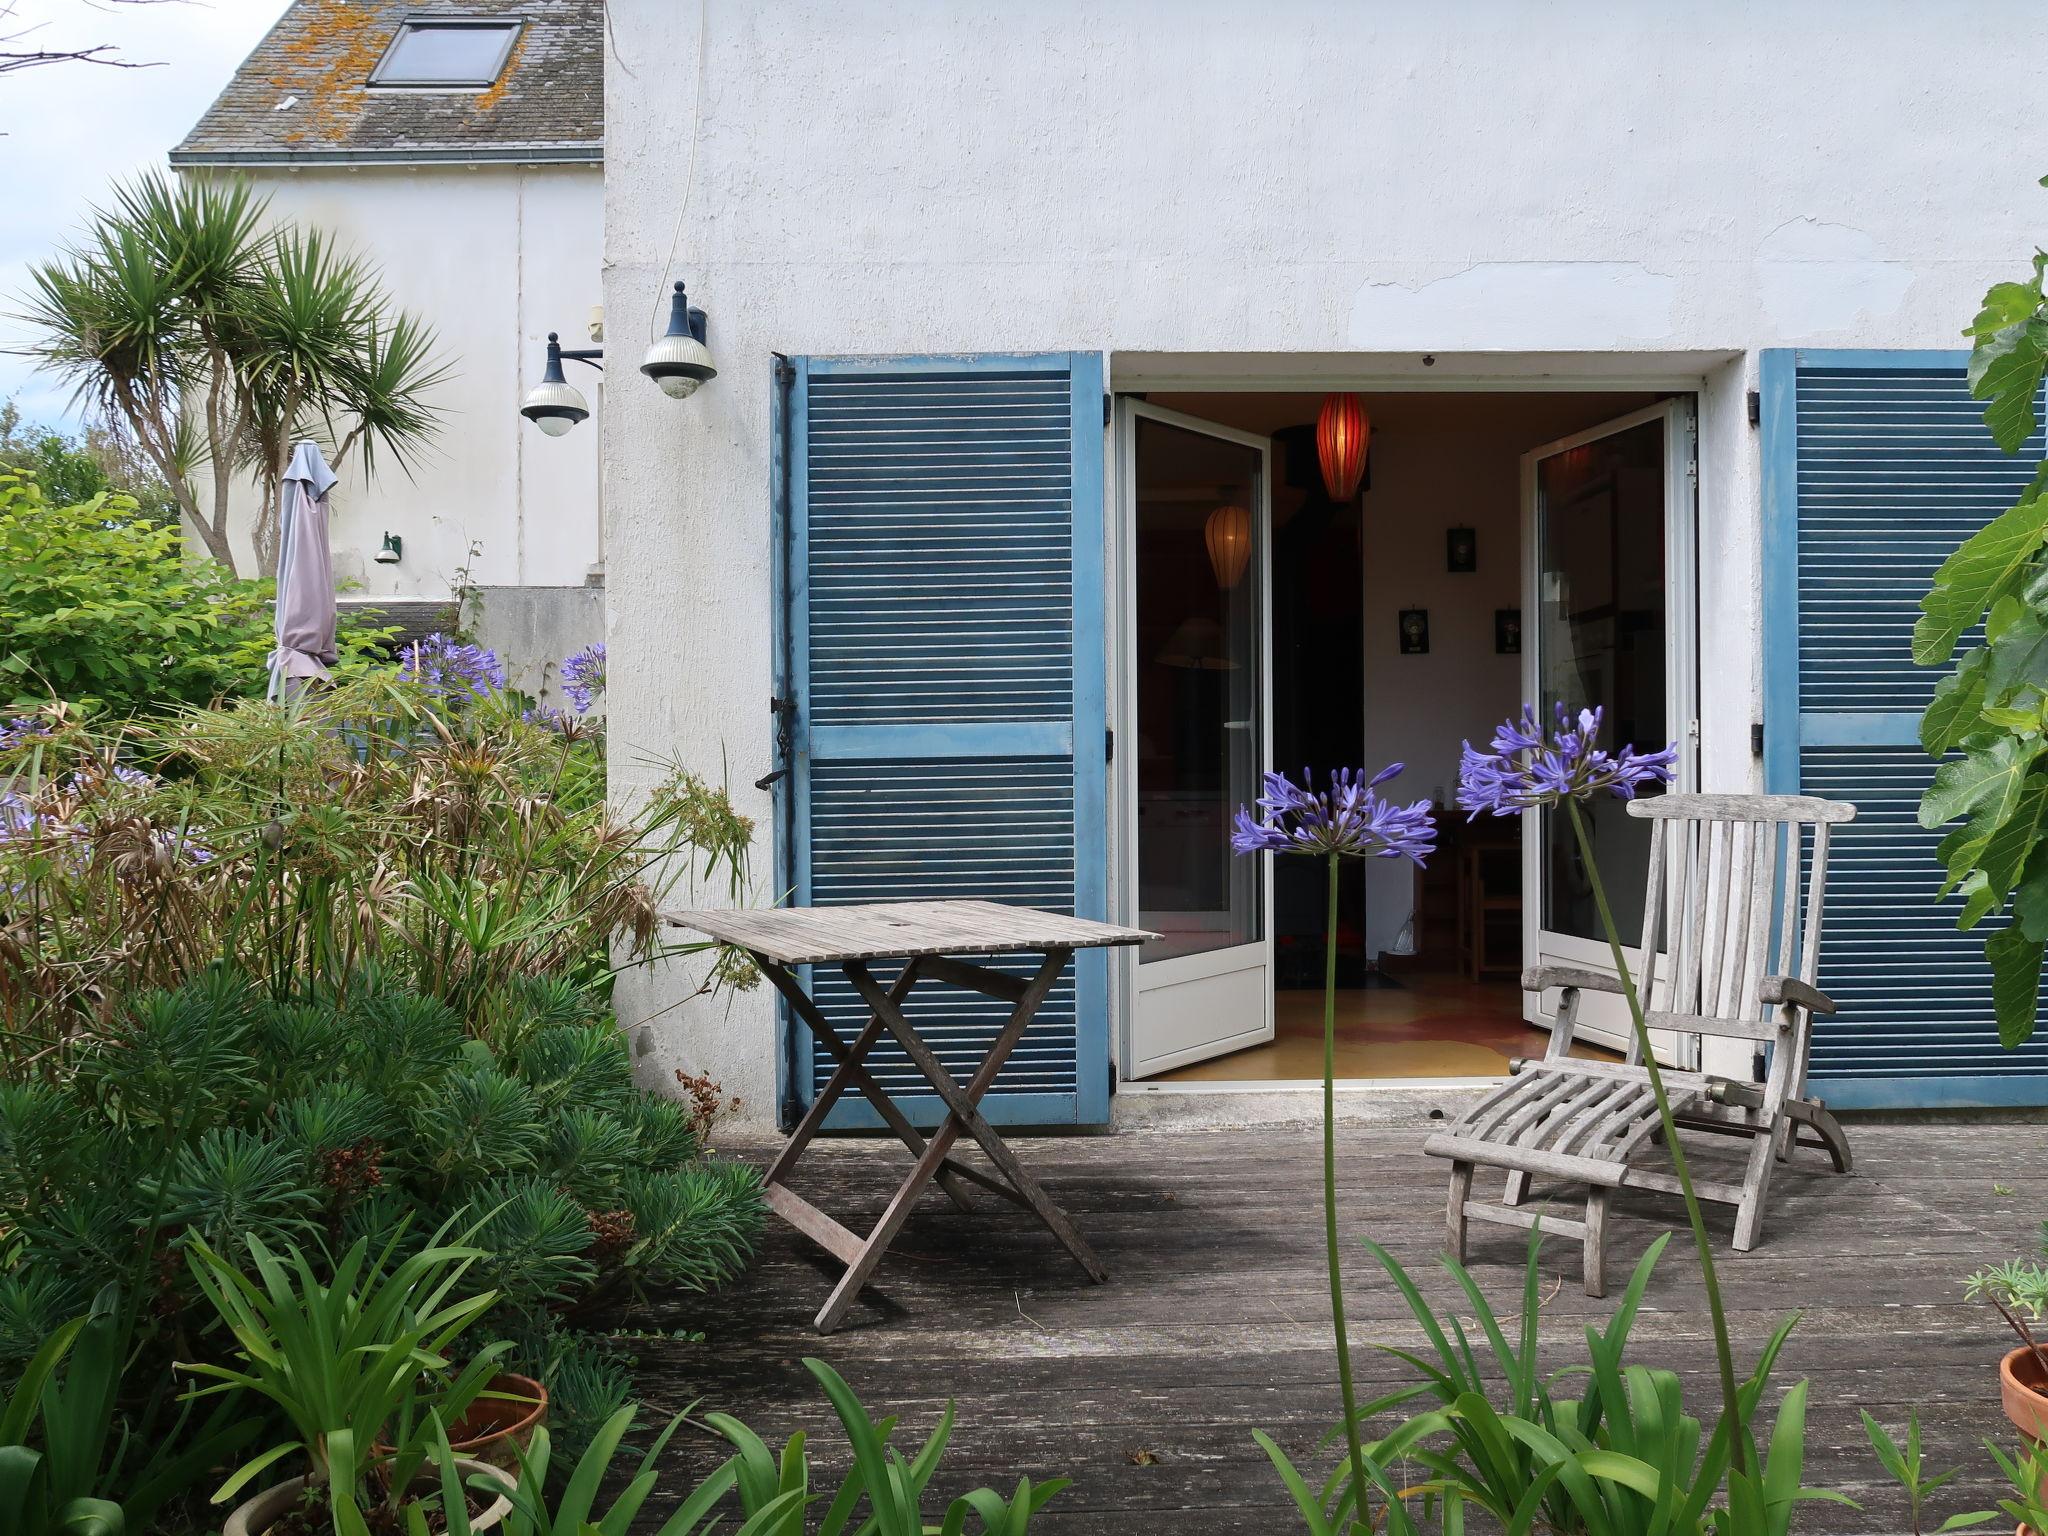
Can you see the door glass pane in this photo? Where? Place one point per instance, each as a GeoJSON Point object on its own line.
{"type": "Point", "coordinates": [1600, 642]}
{"type": "Point", "coordinates": [1197, 676]}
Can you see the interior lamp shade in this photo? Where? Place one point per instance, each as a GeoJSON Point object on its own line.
{"type": "Point", "coordinates": [1342, 433]}
{"type": "Point", "coordinates": [1228, 533]}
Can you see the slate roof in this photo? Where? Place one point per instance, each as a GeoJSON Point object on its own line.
{"type": "Point", "coordinates": [547, 105]}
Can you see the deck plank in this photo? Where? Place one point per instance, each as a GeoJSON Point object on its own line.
{"type": "Point", "coordinates": [1215, 1322]}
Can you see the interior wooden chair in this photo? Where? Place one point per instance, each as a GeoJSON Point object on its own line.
{"type": "Point", "coordinates": [1744, 952]}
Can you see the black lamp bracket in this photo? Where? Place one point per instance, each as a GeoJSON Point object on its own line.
{"type": "Point", "coordinates": [557, 353]}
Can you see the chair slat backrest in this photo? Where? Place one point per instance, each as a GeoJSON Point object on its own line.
{"type": "Point", "coordinates": [1725, 863]}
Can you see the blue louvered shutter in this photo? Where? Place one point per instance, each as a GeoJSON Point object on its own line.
{"type": "Point", "coordinates": [1876, 465]}
{"type": "Point", "coordinates": [944, 642]}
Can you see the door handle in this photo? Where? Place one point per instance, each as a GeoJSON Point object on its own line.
{"type": "Point", "coordinates": [1237, 725]}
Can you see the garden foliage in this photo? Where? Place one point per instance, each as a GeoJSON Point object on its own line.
{"type": "Point", "coordinates": [77, 467]}
{"type": "Point", "coordinates": [1989, 717]}
{"type": "Point", "coordinates": [98, 606]}
{"type": "Point", "coordinates": [335, 970]}
{"type": "Point", "coordinates": [435, 836]}
{"type": "Point", "coordinates": [1505, 1440]}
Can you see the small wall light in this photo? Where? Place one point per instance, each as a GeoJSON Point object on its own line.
{"type": "Point", "coordinates": [394, 548]}
{"type": "Point", "coordinates": [680, 361]}
{"type": "Point", "coordinates": [554, 404]}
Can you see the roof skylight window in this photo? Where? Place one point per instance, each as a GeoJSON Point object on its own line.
{"type": "Point", "coordinates": [455, 52]}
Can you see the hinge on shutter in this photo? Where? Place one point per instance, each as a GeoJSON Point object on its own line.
{"type": "Point", "coordinates": [1756, 407]}
{"type": "Point", "coordinates": [785, 370]}
{"type": "Point", "coordinates": [784, 713]}
{"type": "Point", "coordinates": [1108, 408]}
{"type": "Point", "coordinates": [1112, 1079]}
{"type": "Point", "coordinates": [1109, 746]}
{"type": "Point", "coordinates": [1756, 738]}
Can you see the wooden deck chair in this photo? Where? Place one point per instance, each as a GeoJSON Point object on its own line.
{"type": "Point", "coordinates": [1743, 954]}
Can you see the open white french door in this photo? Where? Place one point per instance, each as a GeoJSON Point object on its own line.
{"type": "Point", "coordinates": [1608, 530]}
{"type": "Point", "coordinates": [1194, 734]}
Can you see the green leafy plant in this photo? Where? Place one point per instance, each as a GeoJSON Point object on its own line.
{"type": "Point", "coordinates": [882, 1494]}
{"type": "Point", "coordinates": [218, 335]}
{"type": "Point", "coordinates": [27, 1501]}
{"type": "Point", "coordinates": [72, 468]}
{"type": "Point", "coordinates": [1621, 1458]}
{"type": "Point", "coordinates": [91, 1474]}
{"type": "Point", "coordinates": [348, 1361]}
{"type": "Point", "coordinates": [2027, 1472]}
{"type": "Point", "coordinates": [2018, 1289]}
{"type": "Point", "coordinates": [1988, 718]}
{"type": "Point", "coordinates": [539, 1510]}
{"type": "Point", "coordinates": [99, 607]}
{"type": "Point", "coordinates": [1907, 1469]}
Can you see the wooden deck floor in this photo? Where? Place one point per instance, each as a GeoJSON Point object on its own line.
{"type": "Point", "coordinates": [1145, 1391]}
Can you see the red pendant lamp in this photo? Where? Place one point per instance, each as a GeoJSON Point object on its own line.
{"type": "Point", "coordinates": [1228, 533]}
{"type": "Point", "coordinates": [1342, 432]}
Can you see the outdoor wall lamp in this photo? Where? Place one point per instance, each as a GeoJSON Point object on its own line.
{"type": "Point", "coordinates": [392, 551]}
{"type": "Point", "coordinates": [678, 362]}
{"type": "Point", "coordinates": [554, 404]}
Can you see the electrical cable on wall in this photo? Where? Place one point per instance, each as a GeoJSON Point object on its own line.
{"type": "Point", "coordinates": [655, 319]}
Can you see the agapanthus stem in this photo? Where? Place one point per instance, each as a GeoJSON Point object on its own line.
{"type": "Point", "coordinates": [1731, 1403]}
{"type": "Point", "coordinates": [1357, 1470]}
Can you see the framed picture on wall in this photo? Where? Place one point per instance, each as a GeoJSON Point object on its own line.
{"type": "Point", "coordinates": [1461, 549]}
{"type": "Point", "coordinates": [1414, 631]}
{"type": "Point", "coordinates": [1507, 631]}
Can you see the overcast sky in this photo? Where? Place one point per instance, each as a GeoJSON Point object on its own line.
{"type": "Point", "coordinates": [68, 130]}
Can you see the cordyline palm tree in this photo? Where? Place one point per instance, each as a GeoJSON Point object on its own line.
{"type": "Point", "coordinates": [219, 339]}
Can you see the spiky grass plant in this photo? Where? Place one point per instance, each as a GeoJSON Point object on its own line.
{"type": "Point", "coordinates": [451, 843]}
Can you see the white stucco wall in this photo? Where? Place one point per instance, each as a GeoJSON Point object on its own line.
{"type": "Point", "coordinates": [1350, 183]}
{"type": "Point", "coordinates": [494, 257]}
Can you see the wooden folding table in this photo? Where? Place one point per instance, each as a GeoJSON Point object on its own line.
{"type": "Point", "coordinates": [933, 939]}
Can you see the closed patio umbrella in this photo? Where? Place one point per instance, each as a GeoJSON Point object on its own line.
{"type": "Point", "coordinates": [305, 575]}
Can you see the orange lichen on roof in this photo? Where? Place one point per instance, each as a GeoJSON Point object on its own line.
{"type": "Point", "coordinates": [496, 93]}
{"type": "Point", "coordinates": [329, 56]}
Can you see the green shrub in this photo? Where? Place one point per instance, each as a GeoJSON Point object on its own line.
{"type": "Point", "coordinates": [216, 1114]}
{"type": "Point", "coordinates": [79, 468]}
{"type": "Point", "coordinates": [98, 606]}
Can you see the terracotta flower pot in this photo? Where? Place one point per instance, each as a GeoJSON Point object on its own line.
{"type": "Point", "coordinates": [255, 1516]}
{"type": "Point", "coordinates": [2023, 1389]}
{"type": "Point", "coordinates": [492, 1426]}
{"type": "Point", "coordinates": [2023, 1393]}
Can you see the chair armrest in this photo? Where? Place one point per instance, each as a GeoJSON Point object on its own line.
{"type": "Point", "coordinates": [1537, 977]}
{"type": "Point", "coordinates": [1780, 990]}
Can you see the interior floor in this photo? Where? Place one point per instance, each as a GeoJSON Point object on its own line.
{"type": "Point", "coordinates": [1428, 1026]}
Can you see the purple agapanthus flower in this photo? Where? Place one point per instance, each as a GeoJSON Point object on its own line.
{"type": "Point", "coordinates": [22, 730]}
{"type": "Point", "coordinates": [452, 670]}
{"type": "Point", "coordinates": [111, 776]}
{"type": "Point", "coordinates": [583, 677]}
{"type": "Point", "coordinates": [1524, 769]}
{"type": "Point", "coordinates": [21, 822]}
{"type": "Point", "coordinates": [1349, 819]}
